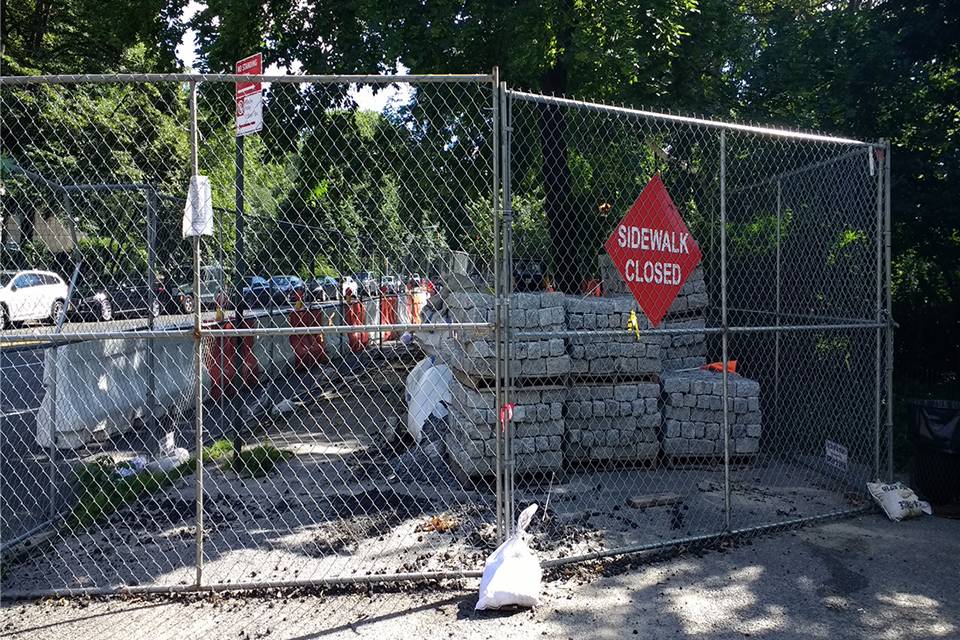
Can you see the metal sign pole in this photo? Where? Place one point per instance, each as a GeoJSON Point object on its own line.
{"type": "Point", "coordinates": [240, 273]}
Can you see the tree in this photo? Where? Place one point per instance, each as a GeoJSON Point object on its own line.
{"type": "Point", "coordinates": [603, 49]}
{"type": "Point", "coordinates": [91, 36]}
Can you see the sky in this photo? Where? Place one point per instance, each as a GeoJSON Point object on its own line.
{"type": "Point", "coordinates": [364, 95]}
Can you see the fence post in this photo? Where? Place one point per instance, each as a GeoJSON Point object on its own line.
{"type": "Point", "coordinates": [197, 351]}
{"type": "Point", "coordinates": [497, 331]}
{"type": "Point", "coordinates": [880, 312]}
{"type": "Point", "coordinates": [776, 337]}
{"type": "Point", "coordinates": [506, 295]}
{"type": "Point", "coordinates": [724, 328]}
{"type": "Point", "coordinates": [153, 300]}
{"type": "Point", "coordinates": [890, 323]}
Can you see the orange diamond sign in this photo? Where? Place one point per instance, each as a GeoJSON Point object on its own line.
{"type": "Point", "coordinates": [653, 250]}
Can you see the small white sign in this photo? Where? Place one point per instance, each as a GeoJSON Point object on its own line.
{"type": "Point", "coordinates": [836, 455]}
{"type": "Point", "coordinates": [249, 114]}
{"type": "Point", "coordinates": [198, 212]}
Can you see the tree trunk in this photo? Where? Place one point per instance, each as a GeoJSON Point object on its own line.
{"type": "Point", "coordinates": [564, 225]}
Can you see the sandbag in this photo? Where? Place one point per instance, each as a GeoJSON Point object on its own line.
{"type": "Point", "coordinates": [898, 501]}
{"type": "Point", "coordinates": [512, 574]}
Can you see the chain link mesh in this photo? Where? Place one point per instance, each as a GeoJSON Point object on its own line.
{"type": "Point", "coordinates": [409, 326]}
{"type": "Point", "coordinates": [623, 431]}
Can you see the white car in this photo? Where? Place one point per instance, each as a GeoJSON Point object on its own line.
{"type": "Point", "coordinates": [30, 295]}
{"type": "Point", "coordinates": [350, 286]}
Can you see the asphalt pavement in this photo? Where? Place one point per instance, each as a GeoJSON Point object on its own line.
{"type": "Point", "coordinates": [862, 577]}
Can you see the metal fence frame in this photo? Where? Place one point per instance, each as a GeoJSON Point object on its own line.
{"type": "Point", "coordinates": [501, 107]}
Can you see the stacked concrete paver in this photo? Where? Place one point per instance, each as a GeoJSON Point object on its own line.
{"type": "Point", "coordinates": [584, 398]}
{"type": "Point", "coordinates": [693, 414]}
{"type": "Point", "coordinates": [531, 357]}
{"type": "Point", "coordinates": [537, 363]}
{"type": "Point", "coordinates": [612, 422]}
{"type": "Point", "coordinates": [609, 354]}
{"type": "Point", "coordinates": [688, 310]}
{"type": "Point", "coordinates": [537, 423]}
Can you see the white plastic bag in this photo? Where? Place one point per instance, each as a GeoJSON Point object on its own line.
{"type": "Point", "coordinates": [165, 463]}
{"type": "Point", "coordinates": [198, 211]}
{"type": "Point", "coordinates": [512, 573]}
{"type": "Point", "coordinates": [898, 501]}
{"type": "Point", "coordinates": [413, 378]}
{"type": "Point", "coordinates": [428, 393]}
{"type": "Point", "coordinates": [169, 457]}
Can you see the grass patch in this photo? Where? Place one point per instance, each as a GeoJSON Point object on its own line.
{"type": "Point", "coordinates": [260, 461]}
{"type": "Point", "coordinates": [219, 450]}
{"type": "Point", "coordinates": [253, 462]}
{"type": "Point", "coordinates": [101, 492]}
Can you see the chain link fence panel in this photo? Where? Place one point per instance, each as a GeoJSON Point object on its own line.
{"type": "Point", "coordinates": [405, 325]}
{"type": "Point", "coordinates": [621, 424]}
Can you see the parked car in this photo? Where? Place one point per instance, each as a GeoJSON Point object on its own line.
{"type": "Point", "coordinates": [211, 283]}
{"type": "Point", "coordinates": [529, 275]}
{"type": "Point", "coordinates": [391, 284]}
{"type": "Point", "coordinates": [367, 283]}
{"type": "Point", "coordinates": [129, 296]}
{"type": "Point", "coordinates": [258, 293]}
{"type": "Point", "coordinates": [288, 288]}
{"type": "Point", "coordinates": [30, 295]}
{"type": "Point", "coordinates": [323, 289]}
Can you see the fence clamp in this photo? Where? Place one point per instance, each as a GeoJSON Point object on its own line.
{"type": "Point", "coordinates": [633, 324]}
{"type": "Point", "coordinates": [506, 415]}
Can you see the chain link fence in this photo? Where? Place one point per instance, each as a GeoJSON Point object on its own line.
{"type": "Point", "coordinates": [405, 324]}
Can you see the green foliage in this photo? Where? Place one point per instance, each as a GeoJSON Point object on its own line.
{"type": "Point", "coordinates": [253, 462]}
{"type": "Point", "coordinates": [91, 36]}
{"type": "Point", "coordinates": [260, 461]}
{"type": "Point", "coordinates": [217, 451]}
{"type": "Point", "coordinates": [100, 491]}
{"type": "Point", "coordinates": [867, 68]}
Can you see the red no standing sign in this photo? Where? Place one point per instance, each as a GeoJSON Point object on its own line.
{"type": "Point", "coordinates": [653, 250]}
{"type": "Point", "coordinates": [249, 96]}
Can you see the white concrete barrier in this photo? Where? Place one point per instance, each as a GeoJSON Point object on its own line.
{"type": "Point", "coordinates": [96, 389]}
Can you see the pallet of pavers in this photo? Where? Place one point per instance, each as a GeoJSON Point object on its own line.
{"type": "Point", "coordinates": [693, 415]}
{"type": "Point", "coordinates": [611, 422]}
{"type": "Point", "coordinates": [601, 355]}
{"type": "Point", "coordinates": [530, 356]}
{"type": "Point", "coordinates": [537, 423]}
{"type": "Point", "coordinates": [612, 408]}
{"type": "Point", "coordinates": [688, 310]}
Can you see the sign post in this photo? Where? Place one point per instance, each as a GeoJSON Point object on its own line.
{"type": "Point", "coordinates": [249, 96]}
{"type": "Point", "coordinates": [653, 250]}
